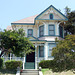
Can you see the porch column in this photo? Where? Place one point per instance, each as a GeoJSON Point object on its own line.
{"type": "Point", "coordinates": [35, 56]}
{"type": "Point", "coordinates": [24, 63]}
{"type": "Point", "coordinates": [46, 51]}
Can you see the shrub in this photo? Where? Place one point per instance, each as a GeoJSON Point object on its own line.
{"type": "Point", "coordinates": [47, 63]}
{"type": "Point", "coordinates": [1, 62]}
{"type": "Point", "coordinates": [13, 64]}
{"type": "Point", "coordinates": [57, 65]}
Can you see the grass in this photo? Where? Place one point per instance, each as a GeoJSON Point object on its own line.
{"type": "Point", "coordinates": [49, 72]}
{"type": "Point", "coordinates": [7, 72]}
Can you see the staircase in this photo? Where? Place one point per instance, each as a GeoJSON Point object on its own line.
{"type": "Point", "coordinates": [30, 65]}
{"type": "Point", "coordinates": [30, 72]}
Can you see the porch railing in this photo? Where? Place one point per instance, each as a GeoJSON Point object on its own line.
{"type": "Point", "coordinates": [13, 58]}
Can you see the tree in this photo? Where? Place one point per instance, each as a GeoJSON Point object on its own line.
{"type": "Point", "coordinates": [15, 42]}
{"type": "Point", "coordinates": [67, 10]}
{"type": "Point", "coordinates": [64, 52]}
{"type": "Point", "coordinates": [70, 24]}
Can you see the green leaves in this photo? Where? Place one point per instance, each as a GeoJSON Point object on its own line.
{"type": "Point", "coordinates": [70, 24]}
{"type": "Point", "coordinates": [16, 42]}
{"type": "Point", "coordinates": [65, 50]}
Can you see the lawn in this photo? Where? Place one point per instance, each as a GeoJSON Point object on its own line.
{"type": "Point", "coordinates": [49, 72]}
{"type": "Point", "coordinates": [7, 72]}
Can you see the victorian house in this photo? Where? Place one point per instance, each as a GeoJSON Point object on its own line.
{"type": "Point", "coordinates": [42, 29]}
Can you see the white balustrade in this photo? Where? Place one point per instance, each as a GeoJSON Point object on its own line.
{"type": "Point", "coordinates": [13, 58]}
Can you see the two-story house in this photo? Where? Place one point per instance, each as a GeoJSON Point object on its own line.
{"type": "Point", "coordinates": [42, 30]}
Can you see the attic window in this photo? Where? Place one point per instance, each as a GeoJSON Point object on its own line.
{"type": "Point", "coordinates": [51, 16]}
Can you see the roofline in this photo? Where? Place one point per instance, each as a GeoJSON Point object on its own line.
{"type": "Point", "coordinates": [22, 23]}
{"type": "Point", "coordinates": [47, 9]}
{"type": "Point", "coordinates": [36, 18]}
{"type": "Point", "coordinates": [54, 19]}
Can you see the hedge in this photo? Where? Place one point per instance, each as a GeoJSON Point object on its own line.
{"type": "Point", "coordinates": [57, 65]}
{"type": "Point", "coordinates": [13, 64]}
{"type": "Point", "coordinates": [47, 63]}
{"type": "Point", "coordinates": [1, 62]}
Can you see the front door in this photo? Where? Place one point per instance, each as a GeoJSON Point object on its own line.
{"type": "Point", "coordinates": [30, 61]}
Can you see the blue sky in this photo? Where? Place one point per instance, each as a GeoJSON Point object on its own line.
{"type": "Point", "coordinates": [13, 10]}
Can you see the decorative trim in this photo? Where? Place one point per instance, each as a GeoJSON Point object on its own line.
{"type": "Point", "coordinates": [49, 35]}
{"type": "Point", "coordinates": [33, 37]}
{"type": "Point", "coordinates": [51, 6]}
{"type": "Point", "coordinates": [47, 9]}
{"type": "Point", "coordinates": [54, 19]}
{"type": "Point", "coordinates": [39, 40]}
{"type": "Point", "coordinates": [42, 41]}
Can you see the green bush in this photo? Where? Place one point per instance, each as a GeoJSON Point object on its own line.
{"type": "Point", "coordinates": [1, 62]}
{"type": "Point", "coordinates": [47, 63]}
{"type": "Point", "coordinates": [57, 65]}
{"type": "Point", "coordinates": [13, 64]}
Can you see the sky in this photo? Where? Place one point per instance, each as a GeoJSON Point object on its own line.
{"type": "Point", "coordinates": [13, 10]}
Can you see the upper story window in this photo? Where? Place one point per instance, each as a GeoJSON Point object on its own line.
{"type": "Point", "coordinates": [30, 32]}
{"type": "Point", "coordinates": [61, 31]}
{"type": "Point", "coordinates": [51, 45]}
{"type": "Point", "coordinates": [51, 30]}
{"type": "Point", "coordinates": [41, 31]}
{"type": "Point", "coordinates": [51, 16]}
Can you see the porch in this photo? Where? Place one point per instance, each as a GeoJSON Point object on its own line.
{"type": "Point", "coordinates": [27, 63]}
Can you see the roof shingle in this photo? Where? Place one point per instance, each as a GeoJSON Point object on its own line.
{"type": "Point", "coordinates": [26, 20]}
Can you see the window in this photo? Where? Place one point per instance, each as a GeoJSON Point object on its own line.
{"type": "Point", "coordinates": [61, 31]}
{"type": "Point", "coordinates": [51, 16]}
{"type": "Point", "coordinates": [51, 45]}
{"type": "Point", "coordinates": [41, 31]}
{"type": "Point", "coordinates": [41, 51]}
{"type": "Point", "coordinates": [30, 32]}
{"type": "Point", "coordinates": [51, 30]}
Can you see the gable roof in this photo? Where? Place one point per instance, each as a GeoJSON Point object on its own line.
{"type": "Point", "coordinates": [29, 20]}
{"type": "Point", "coordinates": [53, 8]}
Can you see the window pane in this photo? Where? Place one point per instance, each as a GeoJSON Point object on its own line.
{"type": "Point", "coordinates": [51, 27]}
{"type": "Point", "coordinates": [51, 16]}
{"type": "Point", "coordinates": [30, 32]}
{"type": "Point", "coordinates": [50, 48]}
{"type": "Point", "coordinates": [61, 31]}
{"type": "Point", "coordinates": [51, 32]}
{"type": "Point", "coordinates": [50, 53]}
{"type": "Point", "coordinates": [41, 30]}
{"type": "Point", "coordinates": [52, 45]}
{"type": "Point", "coordinates": [41, 51]}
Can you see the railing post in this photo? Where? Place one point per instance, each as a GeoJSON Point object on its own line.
{"type": "Point", "coordinates": [10, 56]}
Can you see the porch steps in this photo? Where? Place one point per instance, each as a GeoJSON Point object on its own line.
{"type": "Point", "coordinates": [29, 65]}
{"type": "Point", "coordinates": [30, 72]}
